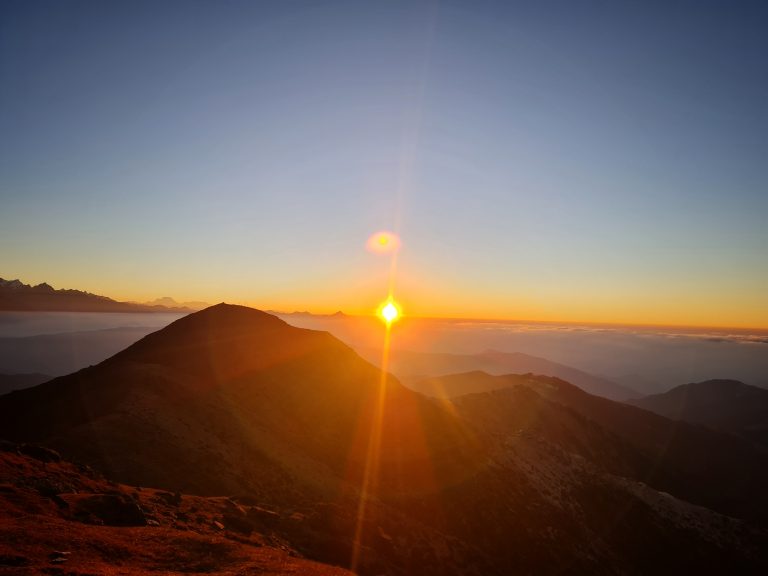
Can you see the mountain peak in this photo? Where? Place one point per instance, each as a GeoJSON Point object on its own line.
{"type": "Point", "coordinates": [227, 341]}
{"type": "Point", "coordinates": [12, 284]}
{"type": "Point", "coordinates": [223, 328]}
{"type": "Point", "coordinates": [719, 384]}
{"type": "Point", "coordinates": [721, 404]}
{"type": "Point", "coordinates": [234, 310]}
{"type": "Point", "coordinates": [233, 318]}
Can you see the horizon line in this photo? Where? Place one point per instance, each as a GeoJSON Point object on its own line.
{"type": "Point", "coordinates": [491, 320]}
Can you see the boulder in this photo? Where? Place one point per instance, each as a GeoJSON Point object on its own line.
{"type": "Point", "coordinates": [263, 516]}
{"type": "Point", "coordinates": [106, 509]}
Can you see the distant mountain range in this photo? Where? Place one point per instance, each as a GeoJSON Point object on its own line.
{"type": "Point", "coordinates": [168, 302]}
{"type": "Point", "coordinates": [412, 367]}
{"type": "Point", "coordinates": [726, 405]}
{"type": "Point", "coordinates": [17, 296]}
{"type": "Point", "coordinates": [338, 315]}
{"type": "Point", "coordinates": [535, 477]}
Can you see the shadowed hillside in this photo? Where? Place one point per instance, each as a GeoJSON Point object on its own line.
{"type": "Point", "coordinates": [699, 465]}
{"type": "Point", "coordinates": [726, 405]}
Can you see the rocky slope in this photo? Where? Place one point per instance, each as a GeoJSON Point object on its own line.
{"type": "Point", "coordinates": [57, 517]}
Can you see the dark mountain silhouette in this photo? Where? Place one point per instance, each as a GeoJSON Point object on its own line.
{"type": "Point", "coordinates": [538, 478]}
{"type": "Point", "coordinates": [17, 296]}
{"type": "Point", "coordinates": [411, 367]}
{"type": "Point", "coordinates": [727, 405]}
{"type": "Point", "coordinates": [223, 388]}
{"type": "Point", "coordinates": [702, 466]}
{"type": "Point", "coordinates": [10, 382]}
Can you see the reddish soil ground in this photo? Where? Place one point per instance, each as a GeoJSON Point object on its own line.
{"type": "Point", "coordinates": [57, 518]}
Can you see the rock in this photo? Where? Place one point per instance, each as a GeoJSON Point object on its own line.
{"type": "Point", "coordinates": [59, 501]}
{"type": "Point", "coordinates": [87, 470]}
{"type": "Point", "coordinates": [39, 453]}
{"type": "Point", "coordinates": [262, 515]}
{"type": "Point", "coordinates": [218, 525]}
{"type": "Point", "coordinates": [238, 523]}
{"type": "Point", "coordinates": [58, 554]}
{"type": "Point", "coordinates": [245, 500]}
{"type": "Point", "coordinates": [106, 509]}
{"type": "Point", "coordinates": [383, 535]}
{"type": "Point", "coordinates": [13, 560]}
{"type": "Point", "coordinates": [50, 487]}
{"type": "Point", "coordinates": [58, 557]}
{"type": "Point", "coordinates": [168, 498]}
{"type": "Point", "coordinates": [7, 446]}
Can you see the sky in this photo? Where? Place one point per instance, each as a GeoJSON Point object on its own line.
{"type": "Point", "coordinates": [599, 161]}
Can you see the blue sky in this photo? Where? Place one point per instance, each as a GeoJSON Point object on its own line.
{"type": "Point", "coordinates": [543, 160]}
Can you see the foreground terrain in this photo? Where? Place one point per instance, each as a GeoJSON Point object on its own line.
{"type": "Point", "coordinates": [61, 518]}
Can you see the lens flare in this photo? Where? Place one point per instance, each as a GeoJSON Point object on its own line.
{"type": "Point", "coordinates": [383, 242]}
{"type": "Point", "coordinates": [389, 311]}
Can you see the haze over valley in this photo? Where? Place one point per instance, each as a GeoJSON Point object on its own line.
{"type": "Point", "coordinates": [636, 359]}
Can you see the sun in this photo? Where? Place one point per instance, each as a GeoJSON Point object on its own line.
{"type": "Point", "coordinates": [389, 312]}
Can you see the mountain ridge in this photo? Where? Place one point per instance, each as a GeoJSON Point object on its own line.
{"type": "Point", "coordinates": [19, 297]}
{"type": "Point", "coordinates": [727, 405]}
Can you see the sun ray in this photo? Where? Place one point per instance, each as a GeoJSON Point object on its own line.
{"type": "Point", "coordinates": [373, 456]}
